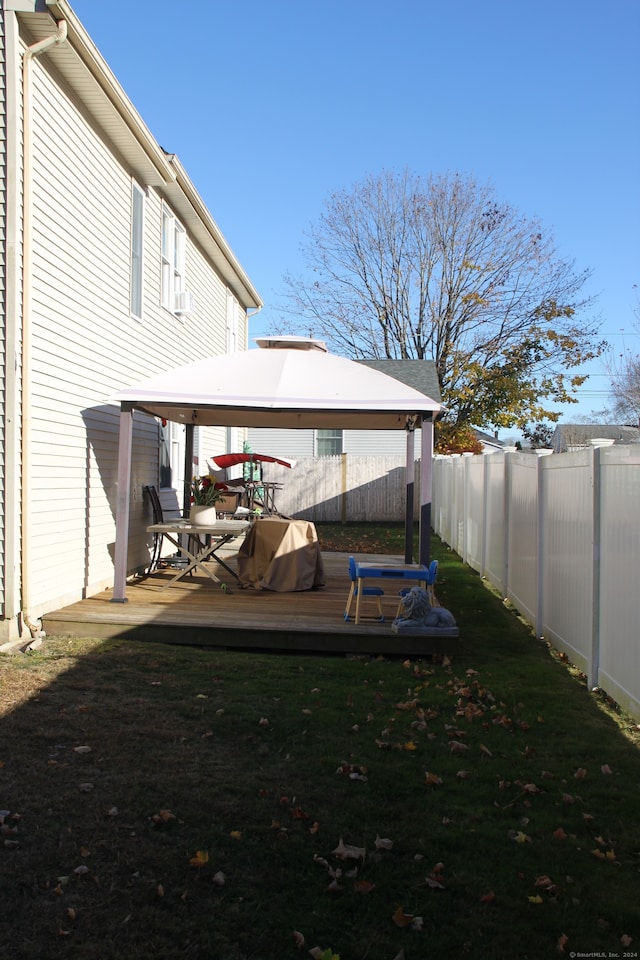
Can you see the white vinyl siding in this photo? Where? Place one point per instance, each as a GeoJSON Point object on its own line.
{"type": "Point", "coordinates": [86, 346]}
{"type": "Point", "coordinates": [303, 443]}
{"type": "Point", "coordinates": [3, 328]}
{"type": "Point", "coordinates": [137, 249]}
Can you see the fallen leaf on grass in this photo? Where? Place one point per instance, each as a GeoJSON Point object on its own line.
{"type": "Point", "coordinates": [434, 884]}
{"type": "Point", "coordinates": [200, 860]}
{"type": "Point", "coordinates": [363, 886]}
{"type": "Point", "coordinates": [559, 834]}
{"type": "Point", "coordinates": [163, 816]}
{"type": "Point", "coordinates": [432, 779]}
{"type": "Point", "coordinates": [562, 941]}
{"type": "Point", "coordinates": [609, 855]}
{"type": "Point", "coordinates": [402, 919]}
{"type": "Point", "coordinates": [488, 897]}
{"type": "Point", "coordinates": [346, 851]}
{"type": "Point", "coordinates": [383, 844]}
{"type": "Point", "coordinates": [536, 899]}
{"type": "Point", "coordinates": [605, 768]}
{"type": "Point", "coordinates": [82, 749]}
{"type": "Point", "coordinates": [299, 939]}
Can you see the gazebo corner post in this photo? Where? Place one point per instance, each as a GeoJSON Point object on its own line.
{"type": "Point", "coordinates": [426, 470]}
{"type": "Point", "coordinates": [123, 498]}
{"type": "Point", "coordinates": [410, 476]}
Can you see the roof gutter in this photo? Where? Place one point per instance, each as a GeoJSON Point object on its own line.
{"type": "Point", "coordinates": [36, 50]}
{"type": "Point", "coordinates": [170, 171]}
{"type": "Point", "coordinates": [105, 78]}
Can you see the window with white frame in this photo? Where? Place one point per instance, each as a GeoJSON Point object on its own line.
{"type": "Point", "coordinates": [137, 245]}
{"type": "Point", "coordinates": [328, 443]}
{"type": "Point", "coordinates": [171, 455]}
{"type": "Point", "coordinates": [173, 261]}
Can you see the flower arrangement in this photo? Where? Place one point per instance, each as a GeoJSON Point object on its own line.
{"type": "Point", "coordinates": [205, 492]}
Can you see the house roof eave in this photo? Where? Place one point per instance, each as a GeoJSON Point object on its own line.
{"type": "Point", "coordinates": [85, 71]}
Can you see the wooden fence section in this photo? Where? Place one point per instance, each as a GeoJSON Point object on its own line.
{"type": "Point", "coordinates": [343, 488]}
{"type": "Point", "coordinates": [559, 537]}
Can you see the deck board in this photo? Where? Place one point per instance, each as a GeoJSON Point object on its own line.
{"type": "Point", "coordinates": [196, 611]}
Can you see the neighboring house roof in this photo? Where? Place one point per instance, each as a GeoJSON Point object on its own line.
{"type": "Point", "coordinates": [82, 67]}
{"type": "Point", "coordinates": [568, 435]}
{"type": "Point", "coordinates": [419, 374]}
{"type": "Point", "coordinates": [488, 440]}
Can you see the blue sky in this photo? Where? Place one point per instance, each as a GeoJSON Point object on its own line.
{"type": "Point", "coordinates": [271, 106]}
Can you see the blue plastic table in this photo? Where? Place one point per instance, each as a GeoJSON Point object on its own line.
{"type": "Point", "coordinates": [375, 571]}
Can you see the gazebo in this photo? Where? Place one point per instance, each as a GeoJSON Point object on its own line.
{"type": "Point", "coordinates": [290, 382]}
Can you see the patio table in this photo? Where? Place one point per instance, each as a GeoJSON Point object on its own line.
{"type": "Point", "coordinates": [217, 534]}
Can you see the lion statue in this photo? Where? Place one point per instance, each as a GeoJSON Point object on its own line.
{"type": "Point", "coordinates": [420, 615]}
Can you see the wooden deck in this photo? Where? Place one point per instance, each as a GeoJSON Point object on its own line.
{"type": "Point", "coordinates": [196, 611]}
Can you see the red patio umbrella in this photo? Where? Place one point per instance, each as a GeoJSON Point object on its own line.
{"type": "Point", "coordinates": [225, 460]}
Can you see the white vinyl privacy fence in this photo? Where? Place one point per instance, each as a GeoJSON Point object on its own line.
{"type": "Point", "coordinates": [559, 536]}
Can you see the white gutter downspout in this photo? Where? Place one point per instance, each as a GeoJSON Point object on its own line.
{"type": "Point", "coordinates": [27, 228]}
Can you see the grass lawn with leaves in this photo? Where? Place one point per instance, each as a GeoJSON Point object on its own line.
{"type": "Point", "coordinates": [159, 802]}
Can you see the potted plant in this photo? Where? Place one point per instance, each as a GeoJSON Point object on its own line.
{"type": "Point", "coordinates": [204, 496]}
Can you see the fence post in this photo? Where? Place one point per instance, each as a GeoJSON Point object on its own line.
{"type": "Point", "coordinates": [344, 490]}
{"type": "Point", "coordinates": [507, 523]}
{"type": "Point", "coordinates": [466, 509]}
{"type": "Point", "coordinates": [540, 510]}
{"type": "Point", "coordinates": [485, 514]}
{"type": "Point", "coordinates": [593, 666]}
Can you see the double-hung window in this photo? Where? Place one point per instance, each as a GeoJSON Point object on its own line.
{"type": "Point", "coordinates": [137, 246]}
{"type": "Point", "coordinates": [173, 261]}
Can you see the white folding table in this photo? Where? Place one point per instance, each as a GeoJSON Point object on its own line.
{"type": "Point", "coordinates": [217, 534]}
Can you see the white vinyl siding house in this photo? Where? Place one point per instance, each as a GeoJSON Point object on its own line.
{"type": "Point", "coordinates": [3, 328]}
{"type": "Point", "coordinates": [94, 310]}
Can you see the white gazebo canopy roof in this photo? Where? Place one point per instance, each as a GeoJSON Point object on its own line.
{"type": "Point", "coordinates": [288, 382]}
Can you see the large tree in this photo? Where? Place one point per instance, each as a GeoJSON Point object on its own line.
{"type": "Point", "coordinates": [402, 267]}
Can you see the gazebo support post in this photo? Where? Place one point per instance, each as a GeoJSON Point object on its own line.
{"type": "Point", "coordinates": [122, 504]}
{"type": "Point", "coordinates": [425, 489]}
{"type": "Point", "coordinates": [410, 470]}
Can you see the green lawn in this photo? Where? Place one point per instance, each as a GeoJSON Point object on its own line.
{"type": "Point", "coordinates": [162, 802]}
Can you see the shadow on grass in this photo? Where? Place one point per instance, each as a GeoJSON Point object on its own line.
{"type": "Point", "coordinates": [163, 802]}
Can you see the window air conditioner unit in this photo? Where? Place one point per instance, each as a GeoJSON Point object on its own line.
{"type": "Point", "coordinates": [184, 302]}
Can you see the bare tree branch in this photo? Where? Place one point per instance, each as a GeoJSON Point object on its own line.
{"type": "Point", "coordinates": [400, 267]}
